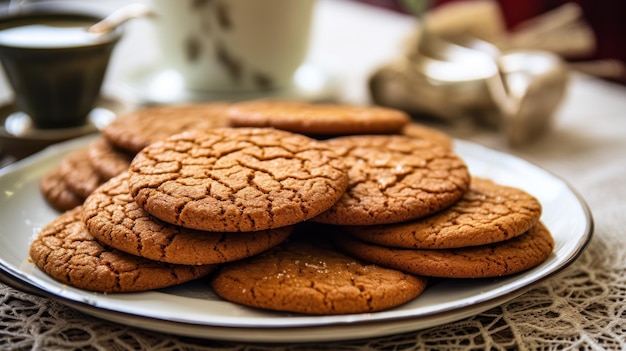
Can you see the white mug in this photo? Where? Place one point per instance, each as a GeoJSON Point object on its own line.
{"type": "Point", "coordinates": [234, 45]}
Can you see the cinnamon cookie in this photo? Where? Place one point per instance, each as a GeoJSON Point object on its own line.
{"type": "Point", "coordinates": [107, 160]}
{"type": "Point", "coordinates": [395, 178]}
{"type": "Point", "coordinates": [136, 130]}
{"type": "Point", "coordinates": [487, 213]}
{"type": "Point", "coordinates": [67, 252]}
{"type": "Point", "coordinates": [80, 176]}
{"type": "Point", "coordinates": [317, 119]}
{"type": "Point", "coordinates": [56, 192]}
{"type": "Point", "coordinates": [304, 278]}
{"type": "Point", "coordinates": [421, 131]}
{"type": "Point", "coordinates": [504, 258]}
{"type": "Point", "coordinates": [114, 218]}
{"type": "Point", "coordinates": [237, 179]}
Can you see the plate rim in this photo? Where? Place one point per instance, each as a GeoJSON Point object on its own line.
{"type": "Point", "coordinates": [14, 277]}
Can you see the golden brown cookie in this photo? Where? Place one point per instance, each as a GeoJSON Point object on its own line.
{"type": "Point", "coordinates": [115, 219]}
{"type": "Point", "coordinates": [80, 176]}
{"type": "Point", "coordinates": [106, 159]}
{"type": "Point", "coordinates": [421, 131]}
{"type": "Point", "coordinates": [317, 119]}
{"type": "Point", "coordinates": [304, 278]}
{"type": "Point", "coordinates": [395, 178]}
{"type": "Point", "coordinates": [486, 214]}
{"type": "Point", "coordinates": [504, 258]}
{"type": "Point", "coordinates": [66, 251]}
{"type": "Point", "coordinates": [137, 129]}
{"type": "Point", "coordinates": [237, 179]}
{"type": "Point", "coordinates": [56, 192]}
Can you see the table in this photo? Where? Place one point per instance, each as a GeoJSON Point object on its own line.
{"type": "Point", "coordinates": [582, 308]}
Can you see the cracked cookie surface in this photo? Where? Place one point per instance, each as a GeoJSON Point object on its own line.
{"type": "Point", "coordinates": [107, 160]}
{"type": "Point", "coordinates": [487, 213]}
{"type": "Point", "coordinates": [80, 176]}
{"type": "Point", "coordinates": [317, 119]}
{"type": "Point", "coordinates": [237, 179]}
{"type": "Point", "coordinates": [298, 276]}
{"type": "Point", "coordinates": [57, 193]}
{"type": "Point", "coordinates": [395, 178]}
{"type": "Point", "coordinates": [504, 258]}
{"type": "Point", "coordinates": [66, 251]}
{"type": "Point", "coordinates": [115, 219]}
{"type": "Point", "coordinates": [421, 131]}
{"type": "Point", "coordinates": [138, 129]}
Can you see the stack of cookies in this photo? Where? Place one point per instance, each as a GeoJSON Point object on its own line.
{"type": "Point", "coordinates": [68, 184]}
{"type": "Point", "coordinates": [288, 206]}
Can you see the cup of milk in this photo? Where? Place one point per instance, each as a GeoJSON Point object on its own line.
{"type": "Point", "coordinates": [234, 45]}
{"type": "Point", "coordinates": [54, 65]}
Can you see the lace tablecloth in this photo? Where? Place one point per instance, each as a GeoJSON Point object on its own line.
{"type": "Point", "coordinates": [582, 308]}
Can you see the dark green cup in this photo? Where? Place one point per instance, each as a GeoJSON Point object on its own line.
{"type": "Point", "coordinates": [56, 82]}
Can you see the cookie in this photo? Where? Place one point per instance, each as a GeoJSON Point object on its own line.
{"type": "Point", "coordinates": [237, 179]}
{"type": "Point", "coordinates": [504, 258]}
{"type": "Point", "coordinates": [421, 131]}
{"type": "Point", "coordinates": [304, 278]}
{"type": "Point", "coordinates": [107, 160]}
{"type": "Point", "coordinates": [80, 176]}
{"type": "Point", "coordinates": [138, 129]}
{"type": "Point", "coordinates": [114, 218]}
{"type": "Point", "coordinates": [55, 191]}
{"type": "Point", "coordinates": [317, 119]}
{"type": "Point", "coordinates": [395, 178]}
{"type": "Point", "coordinates": [66, 251]}
{"type": "Point", "coordinates": [486, 214]}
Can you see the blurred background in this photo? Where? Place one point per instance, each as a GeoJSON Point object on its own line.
{"type": "Point", "coordinates": [605, 18]}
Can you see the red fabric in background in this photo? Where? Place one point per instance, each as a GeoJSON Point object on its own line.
{"type": "Point", "coordinates": [606, 18]}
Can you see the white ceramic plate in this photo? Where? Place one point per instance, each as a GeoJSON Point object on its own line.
{"type": "Point", "coordinates": [193, 310]}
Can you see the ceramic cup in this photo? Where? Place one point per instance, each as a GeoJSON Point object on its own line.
{"type": "Point", "coordinates": [55, 67]}
{"type": "Point", "coordinates": [234, 45]}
